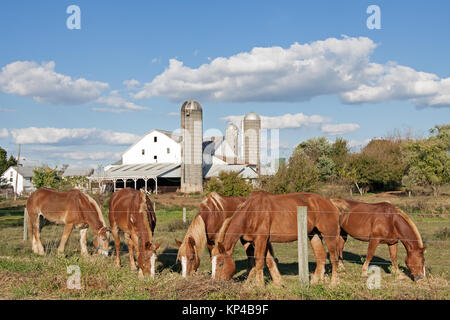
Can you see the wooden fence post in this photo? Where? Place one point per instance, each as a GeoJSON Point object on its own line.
{"type": "Point", "coordinates": [302, 235]}
{"type": "Point", "coordinates": [25, 224]}
{"type": "Point", "coordinates": [184, 215]}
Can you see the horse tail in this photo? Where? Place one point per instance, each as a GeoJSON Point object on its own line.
{"type": "Point", "coordinates": [29, 222]}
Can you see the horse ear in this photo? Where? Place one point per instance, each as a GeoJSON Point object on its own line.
{"type": "Point", "coordinates": [221, 248]}
{"type": "Point", "coordinates": [178, 242]}
{"type": "Point", "coordinates": [191, 241]}
{"type": "Point", "coordinates": [424, 249]}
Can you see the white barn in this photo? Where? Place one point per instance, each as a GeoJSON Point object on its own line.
{"type": "Point", "coordinates": [157, 146]}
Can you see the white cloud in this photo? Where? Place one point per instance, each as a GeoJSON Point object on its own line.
{"type": "Point", "coordinates": [173, 114]}
{"type": "Point", "coordinates": [76, 136]}
{"type": "Point", "coordinates": [338, 129]}
{"type": "Point", "coordinates": [4, 133]}
{"type": "Point", "coordinates": [117, 102]}
{"type": "Point", "coordinates": [284, 121]}
{"type": "Point", "coordinates": [331, 67]}
{"type": "Point", "coordinates": [79, 155]}
{"type": "Point", "coordinates": [131, 84]}
{"type": "Point", "coordinates": [43, 84]}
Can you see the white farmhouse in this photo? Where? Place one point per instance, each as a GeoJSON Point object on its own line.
{"type": "Point", "coordinates": [24, 176]}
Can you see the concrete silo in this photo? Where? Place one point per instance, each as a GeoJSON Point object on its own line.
{"type": "Point", "coordinates": [231, 138]}
{"type": "Point", "coordinates": [191, 147]}
{"type": "Point", "coordinates": [251, 127]}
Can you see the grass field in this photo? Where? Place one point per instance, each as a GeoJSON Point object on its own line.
{"type": "Point", "coordinates": [24, 275]}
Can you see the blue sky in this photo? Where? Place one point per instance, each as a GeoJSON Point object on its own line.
{"type": "Point", "coordinates": [69, 80]}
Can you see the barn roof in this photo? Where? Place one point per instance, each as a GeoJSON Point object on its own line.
{"type": "Point", "coordinates": [141, 171]}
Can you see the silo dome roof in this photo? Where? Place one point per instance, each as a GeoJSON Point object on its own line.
{"type": "Point", "coordinates": [191, 105]}
{"type": "Point", "coordinates": [232, 125]}
{"type": "Point", "coordinates": [252, 116]}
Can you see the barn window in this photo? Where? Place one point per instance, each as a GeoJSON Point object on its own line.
{"type": "Point", "coordinates": [143, 151]}
{"type": "Point", "coordinates": [168, 150]}
{"type": "Point", "coordinates": [155, 157]}
{"type": "Point", "coordinates": [155, 139]}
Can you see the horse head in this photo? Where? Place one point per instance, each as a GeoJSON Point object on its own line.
{"type": "Point", "coordinates": [415, 261]}
{"type": "Point", "coordinates": [188, 255]}
{"type": "Point", "coordinates": [223, 265]}
{"type": "Point", "coordinates": [101, 241]}
{"type": "Point", "coordinates": [146, 259]}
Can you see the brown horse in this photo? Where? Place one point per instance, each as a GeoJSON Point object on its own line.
{"type": "Point", "coordinates": [71, 208]}
{"type": "Point", "coordinates": [131, 211]}
{"type": "Point", "coordinates": [381, 223]}
{"type": "Point", "coordinates": [265, 218]}
{"type": "Point", "coordinates": [203, 230]}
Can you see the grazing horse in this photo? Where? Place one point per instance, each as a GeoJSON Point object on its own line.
{"type": "Point", "coordinates": [381, 223]}
{"type": "Point", "coordinates": [267, 217]}
{"type": "Point", "coordinates": [73, 209]}
{"type": "Point", "coordinates": [131, 211]}
{"type": "Point", "coordinates": [203, 230]}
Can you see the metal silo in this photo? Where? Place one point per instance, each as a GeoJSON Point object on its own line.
{"type": "Point", "coordinates": [251, 127]}
{"type": "Point", "coordinates": [191, 147]}
{"type": "Point", "coordinates": [231, 138]}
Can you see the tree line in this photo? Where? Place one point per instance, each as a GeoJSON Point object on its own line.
{"type": "Point", "coordinates": [383, 164]}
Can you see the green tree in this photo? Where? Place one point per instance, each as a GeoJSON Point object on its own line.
{"type": "Point", "coordinates": [300, 175]}
{"type": "Point", "coordinates": [228, 184]}
{"type": "Point", "coordinates": [46, 177]}
{"type": "Point", "coordinates": [429, 159]}
{"type": "Point", "coordinates": [3, 162]}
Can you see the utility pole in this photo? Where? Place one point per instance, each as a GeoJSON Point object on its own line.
{"type": "Point", "coordinates": [17, 174]}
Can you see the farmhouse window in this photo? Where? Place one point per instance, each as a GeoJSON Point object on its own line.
{"type": "Point", "coordinates": [168, 150]}
{"type": "Point", "coordinates": [155, 139]}
{"type": "Point", "coordinates": [143, 151]}
{"type": "Point", "coordinates": [155, 157]}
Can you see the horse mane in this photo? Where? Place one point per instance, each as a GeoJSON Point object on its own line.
{"type": "Point", "coordinates": [216, 200]}
{"type": "Point", "coordinates": [196, 230]}
{"type": "Point", "coordinates": [143, 212]}
{"type": "Point", "coordinates": [411, 224]}
{"type": "Point", "coordinates": [97, 208]}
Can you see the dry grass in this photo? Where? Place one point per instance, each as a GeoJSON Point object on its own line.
{"type": "Point", "coordinates": [24, 275]}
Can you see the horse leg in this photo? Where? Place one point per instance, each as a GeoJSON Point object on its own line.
{"type": "Point", "coordinates": [393, 254]}
{"type": "Point", "coordinates": [83, 238]}
{"type": "Point", "coordinates": [131, 251]}
{"type": "Point", "coordinates": [250, 251]}
{"type": "Point", "coordinates": [272, 265]}
{"type": "Point", "coordinates": [373, 243]}
{"type": "Point", "coordinates": [341, 244]}
{"type": "Point", "coordinates": [321, 256]}
{"type": "Point", "coordinates": [37, 235]}
{"type": "Point", "coordinates": [66, 233]}
{"type": "Point", "coordinates": [332, 246]}
{"type": "Point", "coordinates": [115, 233]}
{"type": "Point", "coordinates": [260, 254]}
